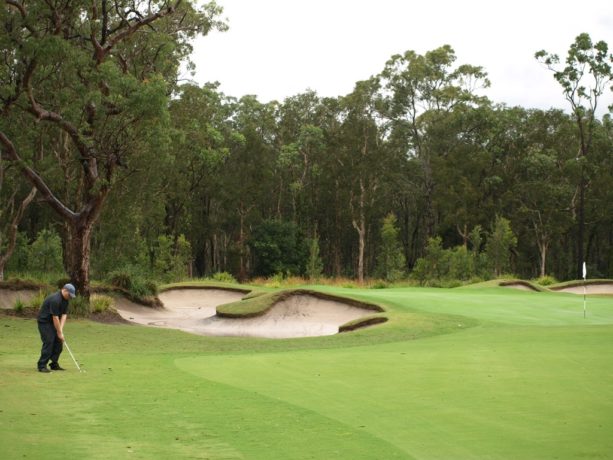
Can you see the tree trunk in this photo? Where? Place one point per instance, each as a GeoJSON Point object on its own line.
{"type": "Point", "coordinates": [12, 231]}
{"type": "Point", "coordinates": [543, 250]}
{"type": "Point", "coordinates": [581, 228]}
{"type": "Point", "coordinates": [78, 257]}
{"type": "Point", "coordinates": [360, 227]}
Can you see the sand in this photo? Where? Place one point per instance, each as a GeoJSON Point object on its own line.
{"type": "Point", "coordinates": [183, 309]}
{"type": "Point", "coordinates": [520, 286]}
{"type": "Point", "coordinates": [605, 288]}
{"type": "Point", "coordinates": [8, 297]}
{"type": "Point", "coordinates": [193, 310]}
{"type": "Point", "coordinates": [299, 315]}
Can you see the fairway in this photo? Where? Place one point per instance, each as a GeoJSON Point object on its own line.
{"type": "Point", "coordinates": [489, 373]}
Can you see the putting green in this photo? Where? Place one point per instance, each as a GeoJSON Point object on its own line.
{"type": "Point", "coordinates": [468, 373]}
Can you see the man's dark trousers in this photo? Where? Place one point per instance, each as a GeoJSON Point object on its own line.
{"type": "Point", "coordinates": [52, 345]}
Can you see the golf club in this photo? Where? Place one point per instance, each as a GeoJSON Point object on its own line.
{"type": "Point", "coordinates": [72, 356]}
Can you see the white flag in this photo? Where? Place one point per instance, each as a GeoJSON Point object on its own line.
{"type": "Point", "coordinates": [584, 271]}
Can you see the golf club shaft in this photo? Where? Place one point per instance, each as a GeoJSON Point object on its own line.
{"type": "Point", "coordinates": [72, 356]}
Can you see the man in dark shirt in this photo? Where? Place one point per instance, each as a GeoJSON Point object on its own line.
{"type": "Point", "coordinates": [51, 320]}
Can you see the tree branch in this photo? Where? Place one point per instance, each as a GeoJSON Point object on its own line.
{"type": "Point", "coordinates": [102, 52]}
{"type": "Point", "coordinates": [36, 180]}
{"type": "Point", "coordinates": [12, 231]}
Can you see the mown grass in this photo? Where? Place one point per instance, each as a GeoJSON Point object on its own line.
{"type": "Point", "coordinates": [465, 373]}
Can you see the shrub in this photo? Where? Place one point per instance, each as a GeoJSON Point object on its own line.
{"type": "Point", "coordinates": [46, 252]}
{"type": "Point", "coordinates": [19, 306]}
{"type": "Point", "coordinates": [172, 258]}
{"type": "Point", "coordinates": [79, 307]}
{"type": "Point", "coordinates": [38, 299]}
{"type": "Point", "coordinates": [379, 284]}
{"type": "Point", "coordinates": [499, 245]}
{"type": "Point", "coordinates": [131, 280]}
{"type": "Point", "coordinates": [315, 266]}
{"type": "Point", "coordinates": [224, 277]}
{"type": "Point", "coordinates": [545, 280]}
{"type": "Point", "coordinates": [390, 260]}
{"type": "Point", "coordinates": [278, 247]}
{"type": "Point", "coordinates": [101, 303]}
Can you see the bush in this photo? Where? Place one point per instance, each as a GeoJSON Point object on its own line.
{"type": "Point", "coordinates": [545, 280]}
{"type": "Point", "coordinates": [38, 299]}
{"type": "Point", "coordinates": [79, 307]}
{"type": "Point", "coordinates": [224, 277]}
{"type": "Point", "coordinates": [46, 252]}
{"type": "Point", "coordinates": [19, 306]}
{"type": "Point", "coordinates": [315, 266]}
{"type": "Point", "coordinates": [101, 303]}
{"type": "Point", "coordinates": [172, 258]}
{"type": "Point", "coordinates": [390, 260]}
{"type": "Point", "coordinates": [278, 247]}
{"type": "Point", "coordinates": [131, 280]}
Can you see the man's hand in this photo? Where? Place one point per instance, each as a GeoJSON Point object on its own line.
{"type": "Point", "coordinates": [60, 336]}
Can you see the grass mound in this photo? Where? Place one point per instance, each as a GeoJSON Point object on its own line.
{"type": "Point", "coordinates": [579, 283]}
{"type": "Point", "coordinates": [259, 304]}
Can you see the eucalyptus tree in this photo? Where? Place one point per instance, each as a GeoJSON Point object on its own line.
{"type": "Point", "coordinates": [363, 158]}
{"type": "Point", "coordinates": [248, 174]}
{"type": "Point", "coordinates": [421, 90]}
{"type": "Point", "coordinates": [92, 79]}
{"type": "Point", "coordinates": [543, 189]}
{"type": "Point", "coordinates": [13, 203]}
{"type": "Point", "coordinates": [584, 78]}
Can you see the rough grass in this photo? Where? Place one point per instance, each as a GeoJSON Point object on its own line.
{"type": "Point", "coordinates": [259, 304]}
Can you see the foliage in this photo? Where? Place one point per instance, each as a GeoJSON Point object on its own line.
{"type": "Point", "coordinates": [278, 248]}
{"type": "Point", "coordinates": [314, 266]}
{"type": "Point", "coordinates": [80, 307]}
{"type": "Point", "coordinates": [37, 300]}
{"type": "Point", "coordinates": [499, 246]}
{"type": "Point", "coordinates": [132, 280]}
{"type": "Point", "coordinates": [19, 306]}
{"type": "Point", "coordinates": [434, 264]}
{"type": "Point", "coordinates": [101, 303]}
{"type": "Point", "coordinates": [20, 257]}
{"type": "Point", "coordinates": [223, 277]}
{"type": "Point", "coordinates": [171, 258]}
{"type": "Point", "coordinates": [545, 281]}
{"type": "Point", "coordinates": [45, 254]}
{"type": "Point", "coordinates": [391, 261]}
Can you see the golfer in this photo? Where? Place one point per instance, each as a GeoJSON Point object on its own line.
{"type": "Point", "coordinates": [51, 320]}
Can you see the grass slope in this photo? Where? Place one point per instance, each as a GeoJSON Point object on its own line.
{"type": "Point", "coordinates": [473, 373]}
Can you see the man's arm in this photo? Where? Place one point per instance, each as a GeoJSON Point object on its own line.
{"type": "Point", "coordinates": [59, 325]}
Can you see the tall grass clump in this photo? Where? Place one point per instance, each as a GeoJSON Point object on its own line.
{"type": "Point", "coordinates": [19, 306]}
{"type": "Point", "coordinates": [223, 277]}
{"type": "Point", "coordinates": [545, 280]}
{"type": "Point", "coordinates": [131, 280]}
{"type": "Point", "coordinates": [101, 303]}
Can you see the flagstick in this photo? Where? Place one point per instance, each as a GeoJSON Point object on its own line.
{"type": "Point", "coordinates": [584, 287]}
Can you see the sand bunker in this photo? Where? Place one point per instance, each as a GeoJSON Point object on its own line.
{"type": "Point", "coordinates": [193, 310]}
{"type": "Point", "coordinates": [604, 288]}
{"type": "Point", "coordinates": [8, 297]}
{"type": "Point", "coordinates": [298, 315]}
{"type": "Point", "coordinates": [183, 308]}
{"type": "Point", "coordinates": [520, 286]}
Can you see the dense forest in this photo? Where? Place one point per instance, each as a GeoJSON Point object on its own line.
{"type": "Point", "coordinates": [108, 163]}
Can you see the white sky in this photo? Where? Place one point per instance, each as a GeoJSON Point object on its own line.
{"type": "Point", "coordinates": [279, 48]}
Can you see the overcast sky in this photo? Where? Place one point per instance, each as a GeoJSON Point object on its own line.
{"type": "Point", "coordinates": [279, 48]}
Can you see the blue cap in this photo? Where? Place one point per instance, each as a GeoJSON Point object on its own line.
{"type": "Point", "coordinates": [71, 290]}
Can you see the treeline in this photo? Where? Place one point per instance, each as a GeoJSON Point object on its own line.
{"type": "Point", "coordinates": [412, 173]}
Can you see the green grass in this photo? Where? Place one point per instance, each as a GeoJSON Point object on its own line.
{"type": "Point", "coordinates": [482, 373]}
{"type": "Point", "coordinates": [259, 303]}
